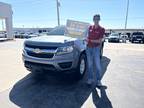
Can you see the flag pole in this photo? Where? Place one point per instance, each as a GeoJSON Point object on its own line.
{"type": "Point", "coordinates": [127, 11]}
{"type": "Point", "coordinates": [58, 16]}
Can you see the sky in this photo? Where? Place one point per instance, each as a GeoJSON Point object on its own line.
{"type": "Point", "coordinates": [42, 13]}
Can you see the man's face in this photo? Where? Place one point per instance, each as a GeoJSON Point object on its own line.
{"type": "Point", "coordinates": [96, 20]}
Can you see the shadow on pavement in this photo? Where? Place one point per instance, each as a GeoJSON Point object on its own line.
{"type": "Point", "coordinates": [55, 92]}
{"type": "Point", "coordinates": [104, 62]}
{"type": "Point", "coordinates": [101, 101]}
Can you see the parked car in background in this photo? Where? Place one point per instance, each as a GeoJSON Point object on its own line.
{"type": "Point", "coordinates": [3, 34]}
{"type": "Point", "coordinates": [123, 38]}
{"type": "Point", "coordinates": [25, 35]}
{"type": "Point", "coordinates": [43, 33]}
{"type": "Point", "coordinates": [137, 37]}
{"type": "Point", "coordinates": [21, 35]}
{"type": "Point", "coordinates": [33, 35]}
{"type": "Point", "coordinates": [114, 37]}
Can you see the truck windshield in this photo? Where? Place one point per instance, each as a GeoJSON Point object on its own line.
{"type": "Point", "coordinates": [57, 31]}
{"type": "Point", "coordinates": [74, 29]}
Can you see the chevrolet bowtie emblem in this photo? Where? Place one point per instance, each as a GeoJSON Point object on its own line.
{"type": "Point", "coordinates": [37, 50]}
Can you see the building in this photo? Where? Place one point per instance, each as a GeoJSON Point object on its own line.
{"type": "Point", "coordinates": [31, 30]}
{"type": "Point", "coordinates": [6, 14]}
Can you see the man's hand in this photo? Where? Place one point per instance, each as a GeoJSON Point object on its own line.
{"type": "Point", "coordinates": [87, 40]}
{"type": "Point", "coordinates": [93, 41]}
{"type": "Point", "coordinates": [96, 41]}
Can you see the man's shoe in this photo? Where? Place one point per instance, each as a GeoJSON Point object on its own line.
{"type": "Point", "coordinates": [89, 82]}
{"type": "Point", "coordinates": [99, 84]}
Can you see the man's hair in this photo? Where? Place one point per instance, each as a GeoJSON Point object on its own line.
{"type": "Point", "coordinates": [96, 15]}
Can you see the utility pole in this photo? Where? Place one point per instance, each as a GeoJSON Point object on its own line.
{"type": "Point", "coordinates": [58, 16]}
{"type": "Point", "coordinates": [127, 12]}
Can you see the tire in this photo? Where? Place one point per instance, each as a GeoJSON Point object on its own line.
{"type": "Point", "coordinates": [81, 68]}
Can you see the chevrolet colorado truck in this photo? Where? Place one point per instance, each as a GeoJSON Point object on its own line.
{"type": "Point", "coordinates": [55, 52]}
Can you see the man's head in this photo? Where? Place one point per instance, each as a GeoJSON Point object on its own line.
{"type": "Point", "coordinates": [96, 19]}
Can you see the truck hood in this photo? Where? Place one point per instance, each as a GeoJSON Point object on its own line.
{"type": "Point", "coordinates": [52, 39]}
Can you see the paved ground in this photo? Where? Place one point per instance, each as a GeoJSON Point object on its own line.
{"type": "Point", "coordinates": [123, 70]}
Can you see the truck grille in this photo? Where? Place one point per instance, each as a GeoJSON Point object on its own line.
{"type": "Point", "coordinates": [40, 55]}
{"type": "Point", "coordinates": [41, 47]}
{"type": "Point", "coordinates": [139, 37]}
{"type": "Point", "coordinates": [46, 51]}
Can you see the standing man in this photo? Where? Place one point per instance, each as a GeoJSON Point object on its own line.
{"type": "Point", "coordinates": [95, 34]}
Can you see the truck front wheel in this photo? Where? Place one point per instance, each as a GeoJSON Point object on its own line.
{"type": "Point", "coordinates": [81, 68]}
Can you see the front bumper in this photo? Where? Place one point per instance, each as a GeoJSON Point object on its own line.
{"type": "Point", "coordinates": [57, 63]}
{"type": "Point", "coordinates": [137, 39]}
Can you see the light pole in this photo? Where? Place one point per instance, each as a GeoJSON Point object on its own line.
{"type": "Point", "coordinates": [127, 11]}
{"type": "Point", "coordinates": [58, 16]}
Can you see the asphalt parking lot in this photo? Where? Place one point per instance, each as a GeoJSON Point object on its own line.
{"type": "Point", "coordinates": [123, 74]}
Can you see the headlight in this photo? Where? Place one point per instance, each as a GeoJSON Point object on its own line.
{"type": "Point", "coordinates": [64, 50]}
